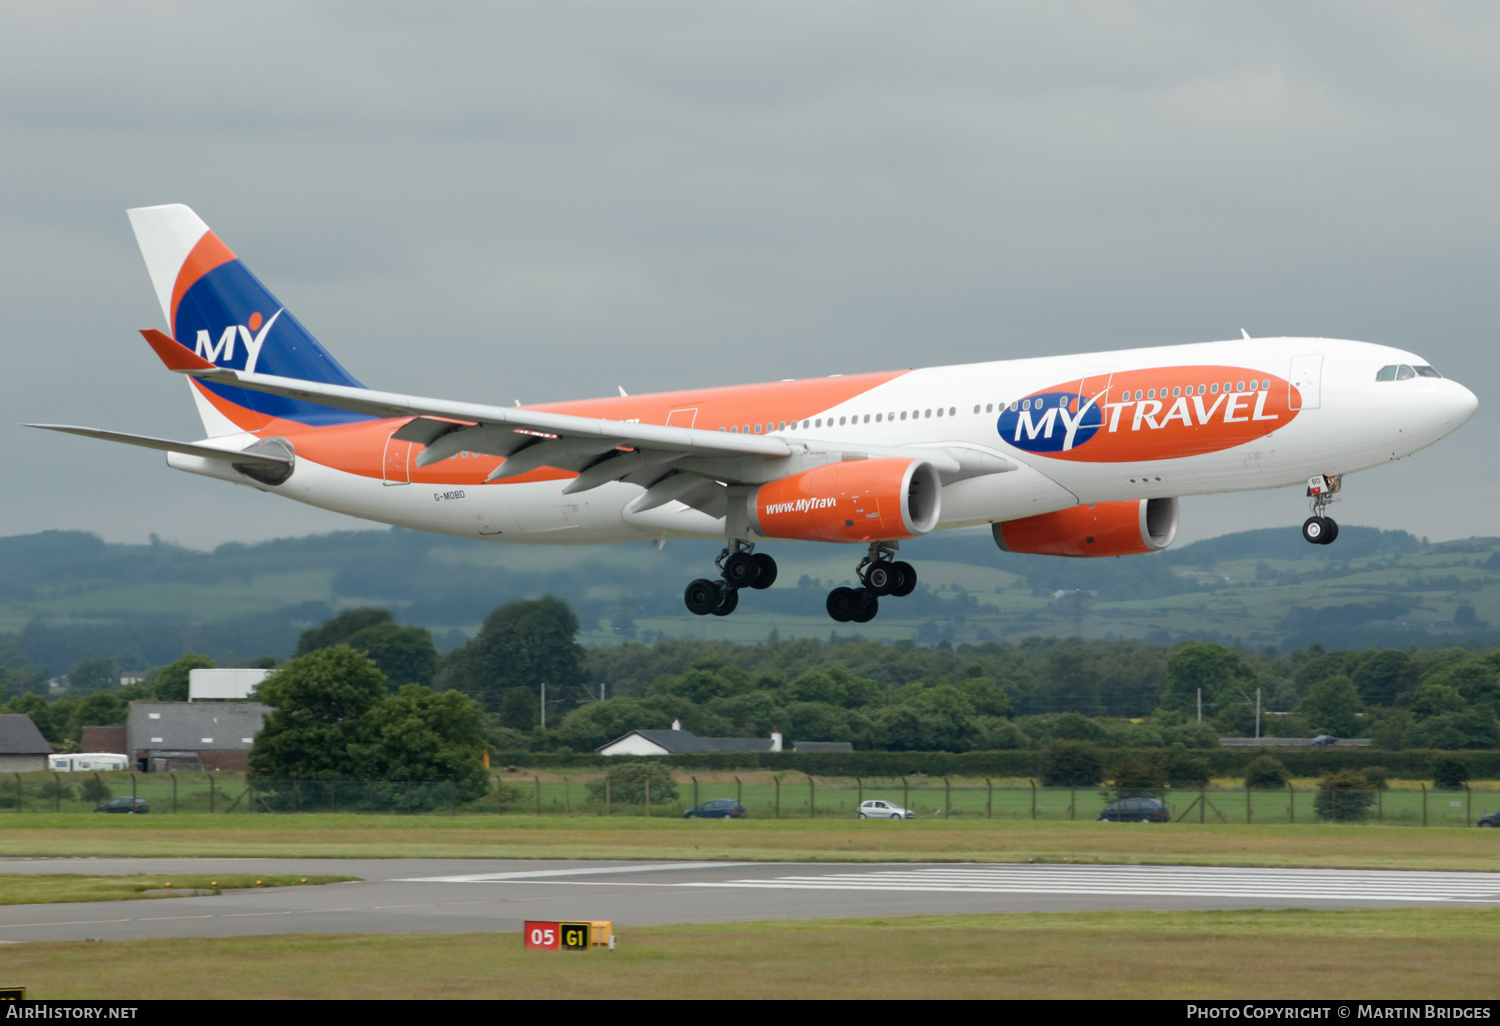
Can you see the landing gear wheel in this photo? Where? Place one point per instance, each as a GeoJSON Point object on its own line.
{"type": "Point", "coordinates": [868, 610]}
{"type": "Point", "coordinates": [842, 604]}
{"type": "Point", "coordinates": [767, 575]}
{"type": "Point", "coordinates": [741, 570]}
{"type": "Point", "coordinates": [1315, 530]}
{"type": "Point", "coordinates": [1333, 531]}
{"type": "Point", "coordinates": [880, 580]}
{"type": "Point", "coordinates": [728, 600]}
{"type": "Point", "coordinates": [907, 579]}
{"type": "Point", "coordinates": [701, 596]}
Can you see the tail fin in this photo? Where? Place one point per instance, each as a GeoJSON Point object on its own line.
{"type": "Point", "coordinates": [217, 308]}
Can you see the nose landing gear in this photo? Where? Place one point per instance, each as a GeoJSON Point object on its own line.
{"type": "Point", "coordinates": [1319, 529]}
{"type": "Point", "coordinates": [881, 574]}
{"type": "Point", "coordinates": [740, 566]}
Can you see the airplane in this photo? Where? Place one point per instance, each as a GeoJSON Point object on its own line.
{"type": "Point", "coordinates": [1078, 456]}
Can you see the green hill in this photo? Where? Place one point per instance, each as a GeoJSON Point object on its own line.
{"type": "Point", "coordinates": [67, 596]}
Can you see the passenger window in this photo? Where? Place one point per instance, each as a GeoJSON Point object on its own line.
{"type": "Point", "coordinates": [757, 429]}
{"type": "Point", "coordinates": [928, 413]}
{"type": "Point", "coordinates": [781, 426]}
{"type": "Point", "coordinates": [988, 408]}
{"type": "Point", "coordinates": [1265, 383]}
{"type": "Point", "coordinates": [1150, 393]}
{"type": "Point", "coordinates": [903, 414]}
{"type": "Point", "coordinates": [940, 411]}
{"type": "Point", "coordinates": [877, 418]}
{"type": "Point", "coordinates": [1239, 386]}
{"type": "Point", "coordinates": [1214, 388]}
{"type": "Point", "coordinates": [1176, 391]}
{"type": "Point", "coordinates": [953, 410]}
{"type": "Point", "coordinates": [976, 407]}
{"type": "Point", "coordinates": [841, 421]}
{"type": "Point", "coordinates": [1405, 373]}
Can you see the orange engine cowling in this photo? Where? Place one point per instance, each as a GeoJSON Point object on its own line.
{"type": "Point", "coordinates": [1102, 529]}
{"type": "Point", "coordinates": [856, 500]}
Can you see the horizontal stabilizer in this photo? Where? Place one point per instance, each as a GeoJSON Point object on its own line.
{"type": "Point", "coordinates": [257, 459]}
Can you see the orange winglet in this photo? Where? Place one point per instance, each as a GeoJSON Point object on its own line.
{"type": "Point", "coordinates": [173, 353]}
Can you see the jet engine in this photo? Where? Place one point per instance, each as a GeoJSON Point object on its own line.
{"type": "Point", "coordinates": [852, 501]}
{"type": "Point", "coordinates": [1100, 529]}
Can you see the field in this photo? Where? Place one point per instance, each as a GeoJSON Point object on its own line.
{"type": "Point", "coordinates": [766, 795]}
{"type": "Point", "coordinates": [1356, 954]}
{"type": "Point", "coordinates": [829, 840]}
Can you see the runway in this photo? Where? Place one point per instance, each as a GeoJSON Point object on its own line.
{"type": "Point", "coordinates": [486, 895]}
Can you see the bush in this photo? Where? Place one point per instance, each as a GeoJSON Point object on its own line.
{"type": "Point", "coordinates": [1343, 797]}
{"type": "Point", "coordinates": [1071, 764]}
{"type": "Point", "coordinates": [1449, 774]}
{"type": "Point", "coordinates": [627, 783]}
{"type": "Point", "coordinates": [1138, 772]}
{"type": "Point", "coordinates": [1266, 771]}
{"type": "Point", "coordinates": [1184, 770]}
{"type": "Point", "coordinates": [1378, 777]}
{"type": "Point", "coordinates": [95, 790]}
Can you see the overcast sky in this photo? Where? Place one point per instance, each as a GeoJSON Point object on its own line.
{"type": "Point", "coordinates": [548, 200]}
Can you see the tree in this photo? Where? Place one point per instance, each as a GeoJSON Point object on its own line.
{"type": "Point", "coordinates": [523, 644]}
{"type": "Point", "coordinates": [405, 655]}
{"type": "Point", "coordinates": [519, 708]}
{"type": "Point", "coordinates": [1449, 774]}
{"type": "Point", "coordinates": [1071, 764]}
{"type": "Point", "coordinates": [97, 674]}
{"type": "Point", "coordinates": [421, 735]}
{"type": "Point", "coordinates": [596, 724]}
{"type": "Point", "coordinates": [1220, 672]}
{"type": "Point", "coordinates": [1330, 706]}
{"type": "Point", "coordinates": [341, 628]}
{"type": "Point", "coordinates": [319, 701]}
{"type": "Point", "coordinates": [1343, 797]}
{"type": "Point", "coordinates": [170, 683]}
{"type": "Point", "coordinates": [627, 783]}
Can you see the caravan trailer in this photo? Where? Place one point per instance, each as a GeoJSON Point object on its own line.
{"type": "Point", "coordinates": [86, 762]}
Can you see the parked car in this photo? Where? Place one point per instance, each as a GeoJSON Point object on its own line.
{"type": "Point", "coordinates": [877, 809]}
{"type": "Point", "coordinates": [1137, 810]}
{"type": "Point", "coordinates": [124, 805]}
{"type": "Point", "coordinates": [1492, 820]}
{"type": "Point", "coordinates": [1324, 739]}
{"type": "Point", "coordinates": [719, 808]}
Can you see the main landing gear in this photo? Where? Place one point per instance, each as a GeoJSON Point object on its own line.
{"type": "Point", "coordinates": [881, 574]}
{"type": "Point", "coordinates": [1319, 529]}
{"type": "Point", "coordinates": [740, 566]}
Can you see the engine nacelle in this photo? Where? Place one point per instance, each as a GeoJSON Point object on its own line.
{"type": "Point", "coordinates": [852, 501]}
{"type": "Point", "coordinates": [1102, 529]}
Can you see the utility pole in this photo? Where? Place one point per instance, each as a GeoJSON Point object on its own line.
{"type": "Point", "coordinates": [1257, 714]}
{"type": "Point", "coordinates": [544, 705]}
{"type": "Point", "coordinates": [1200, 706]}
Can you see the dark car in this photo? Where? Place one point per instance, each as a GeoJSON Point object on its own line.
{"type": "Point", "coordinates": [1137, 810]}
{"type": "Point", "coordinates": [1324, 739]}
{"type": "Point", "coordinates": [124, 805]}
{"type": "Point", "coordinates": [1492, 820]}
{"type": "Point", "coordinates": [719, 808]}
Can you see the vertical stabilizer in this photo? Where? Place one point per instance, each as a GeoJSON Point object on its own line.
{"type": "Point", "coordinates": [217, 308]}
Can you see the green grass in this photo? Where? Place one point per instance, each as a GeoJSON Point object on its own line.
{"type": "Point", "coordinates": [521, 836]}
{"type": "Point", "coordinates": [1328, 955]}
{"type": "Point", "coordinates": [48, 888]}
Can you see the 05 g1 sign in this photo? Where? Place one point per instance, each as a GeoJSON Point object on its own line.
{"type": "Point", "coordinates": [568, 936]}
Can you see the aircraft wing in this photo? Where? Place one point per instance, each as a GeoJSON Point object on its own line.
{"type": "Point", "coordinates": [684, 464]}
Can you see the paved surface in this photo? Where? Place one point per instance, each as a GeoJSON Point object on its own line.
{"type": "Point", "coordinates": [481, 895]}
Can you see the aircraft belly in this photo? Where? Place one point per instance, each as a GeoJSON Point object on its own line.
{"type": "Point", "coordinates": [1022, 492]}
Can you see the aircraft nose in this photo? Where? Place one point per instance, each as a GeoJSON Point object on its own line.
{"type": "Point", "coordinates": [1461, 402]}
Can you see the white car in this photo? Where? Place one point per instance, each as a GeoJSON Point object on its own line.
{"type": "Point", "coordinates": [884, 810]}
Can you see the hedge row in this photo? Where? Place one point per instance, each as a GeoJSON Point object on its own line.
{"type": "Point", "coordinates": [1412, 764]}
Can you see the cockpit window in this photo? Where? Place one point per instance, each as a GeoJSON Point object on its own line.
{"type": "Point", "coordinates": [1387, 373]}
{"type": "Point", "coordinates": [1427, 372]}
{"type": "Point", "coordinates": [1405, 373]}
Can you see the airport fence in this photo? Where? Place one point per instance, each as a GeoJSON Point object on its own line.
{"type": "Point", "coordinates": [786, 795]}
